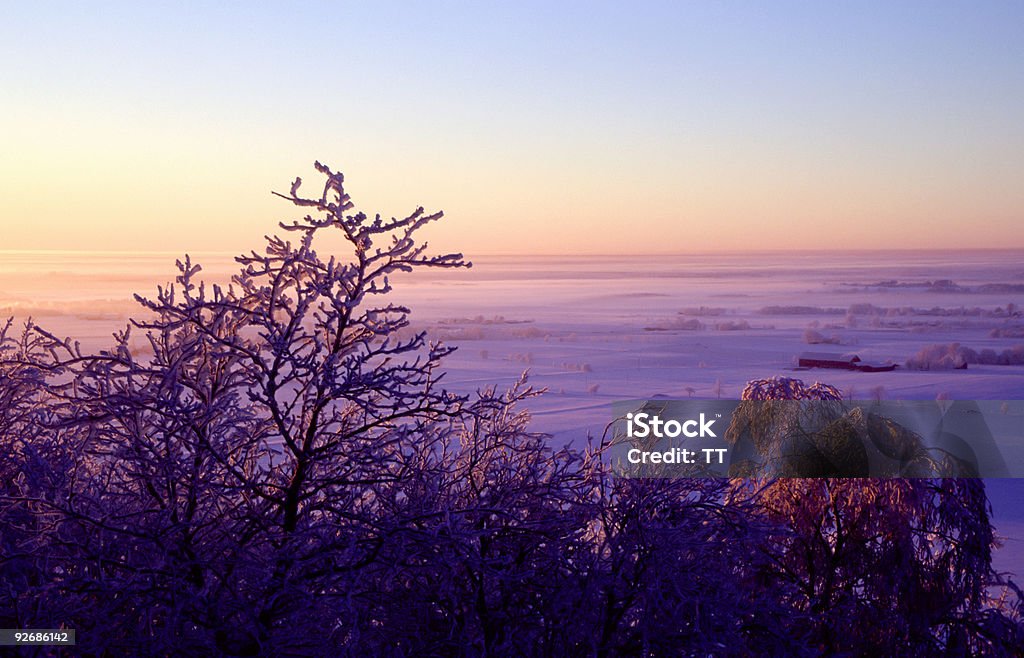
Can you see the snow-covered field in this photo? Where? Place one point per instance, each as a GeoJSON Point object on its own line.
{"type": "Point", "coordinates": [593, 330]}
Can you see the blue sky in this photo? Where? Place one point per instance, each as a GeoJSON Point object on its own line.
{"type": "Point", "coordinates": [538, 127]}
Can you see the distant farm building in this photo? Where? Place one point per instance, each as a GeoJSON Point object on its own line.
{"type": "Point", "coordinates": [840, 362]}
{"type": "Point", "coordinates": [825, 360]}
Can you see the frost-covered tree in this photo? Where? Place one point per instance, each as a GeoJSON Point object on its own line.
{"type": "Point", "coordinates": [881, 566]}
{"type": "Point", "coordinates": [229, 470]}
{"type": "Point", "coordinates": [281, 471]}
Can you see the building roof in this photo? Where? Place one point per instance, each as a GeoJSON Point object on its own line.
{"type": "Point", "coordinates": [825, 356]}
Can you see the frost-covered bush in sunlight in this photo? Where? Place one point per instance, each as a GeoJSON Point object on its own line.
{"type": "Point", "coordinates": [884, 566]}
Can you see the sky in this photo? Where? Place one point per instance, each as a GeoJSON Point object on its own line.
{"type": "Point", "coordinates": [538, 127]}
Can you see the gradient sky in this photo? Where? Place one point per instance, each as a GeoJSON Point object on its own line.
{"type": "Point", "coordinates": [537, 127]}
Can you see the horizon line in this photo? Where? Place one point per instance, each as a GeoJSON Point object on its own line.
{"type": "Point", "coordinates": [502, 254]}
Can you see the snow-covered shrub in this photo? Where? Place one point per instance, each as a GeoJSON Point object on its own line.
{"type": "Point", "coordinates": [815, 337]}
{"type": "Point", "coordinates": [942, 357]}
{"type": "Point", "coordinates": [855, 552]}
{"type": "Point", "coordinates": [954, 355]}
{"type": "Point", "coordinates": [732, 325]}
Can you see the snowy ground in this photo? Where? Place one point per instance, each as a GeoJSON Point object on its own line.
{"type": "Point", "coordinates": [593, 330]}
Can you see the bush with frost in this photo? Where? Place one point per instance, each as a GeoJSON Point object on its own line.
{"type": "Point", "coordinates": [948, 356]}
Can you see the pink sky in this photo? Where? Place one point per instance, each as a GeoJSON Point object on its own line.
{"type": "Point", "coordinates": [537, 128]}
